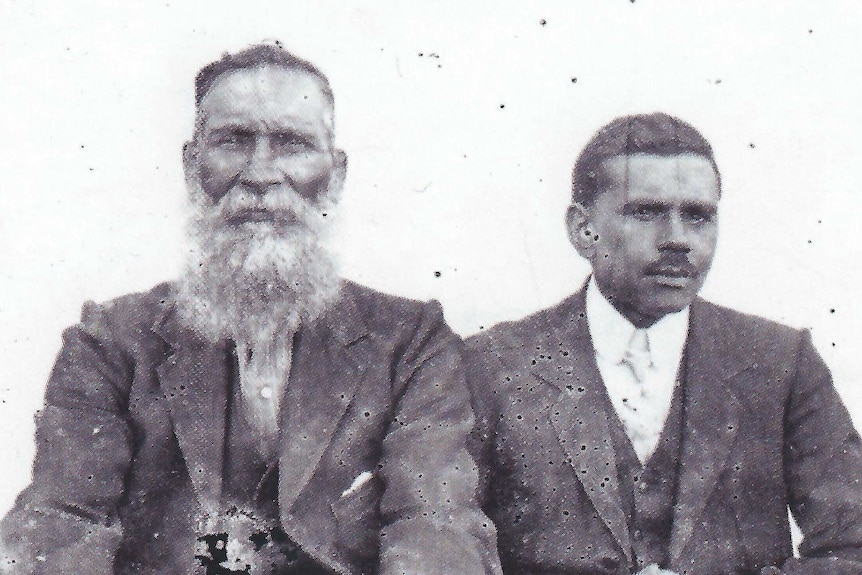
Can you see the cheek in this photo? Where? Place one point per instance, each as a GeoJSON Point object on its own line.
{"type": "Point", "coordinates": [707, 239]}
{"type": "Point", "coordinates": [218, 174]}
{"type": "Point", "coordinates": [628, 242]}
{"type": "Point", "coordinates": [311, 178]}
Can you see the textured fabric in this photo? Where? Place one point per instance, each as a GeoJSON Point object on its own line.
{"type": "Point", "coordinates": [250, 487]}
{"type": "Point", "coordinates": [246, 463]}
{"type": "Point", "coordinates": [131, 444]}
{"type": "Point", "coordinates": [638, 367]}
{"type": "Point", "coordinates": [648, 491]}
{"type": "Point", "coordinates": [262, 390]}
{"type": "Point", "coordinates": [637, 356]}
{"type": "Point", "coordinates": [764, 429]}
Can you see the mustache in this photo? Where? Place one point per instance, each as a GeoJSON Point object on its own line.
{"type": "Point", "coordinates": [284, 207]}
{"type": "Point", "coordinates": [673, 265]}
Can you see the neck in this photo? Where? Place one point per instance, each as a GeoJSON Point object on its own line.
{"type": "Point", "coordinates": [634, 316]}
{"type": "Point", "coordinates": [637, 319]}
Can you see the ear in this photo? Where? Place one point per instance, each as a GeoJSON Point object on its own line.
{"type": "Point", "coordinates": [581, 234]}
{"type": "Point", "coordinates": [338, 174]}
{"type": "Point", "coordinates": [190, 162]}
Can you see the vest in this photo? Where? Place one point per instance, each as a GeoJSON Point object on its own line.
{"type": "Point", "coordinates": [648, 492]}
{"type": "Point", "coordinates": [250, 483]}
{"type": "Point", "coordinates": [247, 479]}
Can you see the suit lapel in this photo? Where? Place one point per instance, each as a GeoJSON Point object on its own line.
{"type": "Point", "coordinates": [194, 380]}
{"type": "Point", "coordinates": [567, 361]}
{"type": "Point", "coordinates": [329, 362]}
{"type": "Point", "coordinates": [711, 418]}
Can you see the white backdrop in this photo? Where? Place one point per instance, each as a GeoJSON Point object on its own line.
{"type": "Point", "coordinates": [461, 120]}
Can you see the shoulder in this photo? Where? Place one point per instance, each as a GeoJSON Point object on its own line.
{"type": "Point", "coordinates": [372, 303]}
{"type": "Point", "coordinates": [526, 332]}
{"type": "Point", "coordinates": [754, 335]}
{"type": "Point", "coordinates": [387, 315]}
{"type": "Point", "coordinates": [506, 350]}
{"type": "Point", "coordinates": [139, 305]}
{"type": "Point", "coordinates": [131, 316]}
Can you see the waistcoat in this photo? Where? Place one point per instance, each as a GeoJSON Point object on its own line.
{"type": "Point", "coordinates": [648, 491]}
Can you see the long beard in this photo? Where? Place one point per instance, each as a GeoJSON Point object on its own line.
{"type": "Point", "coordinates": [255, 282]}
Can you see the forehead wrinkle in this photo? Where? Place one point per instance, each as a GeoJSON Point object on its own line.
{"type": "Point", "coordinates": [274, 98]}
{"type": "Point", "coordinates": [287, 123]}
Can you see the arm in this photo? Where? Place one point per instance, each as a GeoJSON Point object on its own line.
{"type": "Point", "coordinates": [431, 517]}
{"type": "Point", "coordinates": [482, 394]}
{"type": "Point", "coordinates": [66, 520]}
{"type": "Point", "coordinates": [823, 470]}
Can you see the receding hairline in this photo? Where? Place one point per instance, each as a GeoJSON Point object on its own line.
{"type": "Point", "coordinates": [320, 82]}
{"type": "Point", "coordinates": [299, 72]}
{"type": "Point", "coordinates": [256, 56]}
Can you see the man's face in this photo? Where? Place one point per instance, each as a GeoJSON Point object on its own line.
{"type": "Point", "coordinates": [263, 178]}
{"type": "Point", "coordinates": [651, 234]}
{"type": "Point", "coordinates": [263, 130]}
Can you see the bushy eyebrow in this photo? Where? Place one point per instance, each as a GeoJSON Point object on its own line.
{"type": "Point", "coordinates": [243, 128]}
{"type": "Point", "coordinates": [703, 207]}
{"type": "Point", "coordinates": [303, 137]}
{"type": "Point", "coordinates": [687, 206]}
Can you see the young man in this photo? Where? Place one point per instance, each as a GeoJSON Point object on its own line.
{"type": "Point", "coordinates": [635, 428]}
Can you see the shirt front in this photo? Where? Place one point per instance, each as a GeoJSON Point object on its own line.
{"type": "Point", "coordinates": [262, 382]}
{"type": "Point", "coordinates": [642, 406]}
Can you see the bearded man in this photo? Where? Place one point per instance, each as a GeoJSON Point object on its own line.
{"type": "Point", "coordinates": [259, 415]}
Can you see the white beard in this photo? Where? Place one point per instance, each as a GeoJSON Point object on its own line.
{"type": "Point", "coordinates": [256, 282]}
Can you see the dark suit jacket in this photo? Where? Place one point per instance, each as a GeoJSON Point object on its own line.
{"type": "Point", "coordinates": [764, 429]}
{"type": "Point", "coordinates": [130, 443]}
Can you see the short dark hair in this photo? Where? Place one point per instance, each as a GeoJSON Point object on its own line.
{"type": "Point", "coordinates": [657, 133]}
{"type": "Point", "coordinates": [254, 57]}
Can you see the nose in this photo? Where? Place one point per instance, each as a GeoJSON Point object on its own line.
{"type": "Point", "coordinates": [261, 172]}
{"type": "Point", "coordinates": [676, 235]}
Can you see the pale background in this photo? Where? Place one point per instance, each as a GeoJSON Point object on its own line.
{"type": "Point", "coordinates": [462, 121]}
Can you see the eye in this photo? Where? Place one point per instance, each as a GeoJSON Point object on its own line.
{"type": "Point", "coordinates": [291, 141]}
{"type": "Point", "coordinates": [699, 216]}
{"type": "Point", "coordinates": [233, 139]}
{"type": "Point", "coordinates": [645, 212]}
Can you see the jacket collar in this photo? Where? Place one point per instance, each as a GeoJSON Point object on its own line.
{"type": "Point", "coordinates": [712, 413]}
{"type": "Point", "coordinates": [566, 360]}
{"type": "Point", "coordinates": [194, 380]}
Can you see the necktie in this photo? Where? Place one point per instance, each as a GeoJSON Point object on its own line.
{"type": "Point", "coordinates": [637, 356]}
{"type": "Point", "coordinates": [639, 420]}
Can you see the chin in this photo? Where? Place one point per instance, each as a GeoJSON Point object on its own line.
{"type": "Point", "coordinates": [668, 303]}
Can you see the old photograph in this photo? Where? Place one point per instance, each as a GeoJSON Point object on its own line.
{"type": "Point", "coordinates": [465, 287]}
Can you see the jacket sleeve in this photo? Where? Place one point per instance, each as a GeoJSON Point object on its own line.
{"type": "Point", "coordinates": [480, 382]}
{"type": "Point", "coordinates": [823, 471]}
{"type": "Point", "coordinates": [66, 521]}
{"type": "Point", "coordinates": [432, 523]}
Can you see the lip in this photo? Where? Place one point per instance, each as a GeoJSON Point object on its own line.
{"type": "Point", "coordinates": [672, 281]}
{"type": "Point", "coordinates": [671, 271]}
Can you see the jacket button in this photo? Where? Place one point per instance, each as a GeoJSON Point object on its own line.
{"type": "Point", "coordinates": [638, 535]}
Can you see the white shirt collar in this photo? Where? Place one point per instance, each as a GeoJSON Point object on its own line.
{"type": "Point", "coordinates": [611, 331]}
